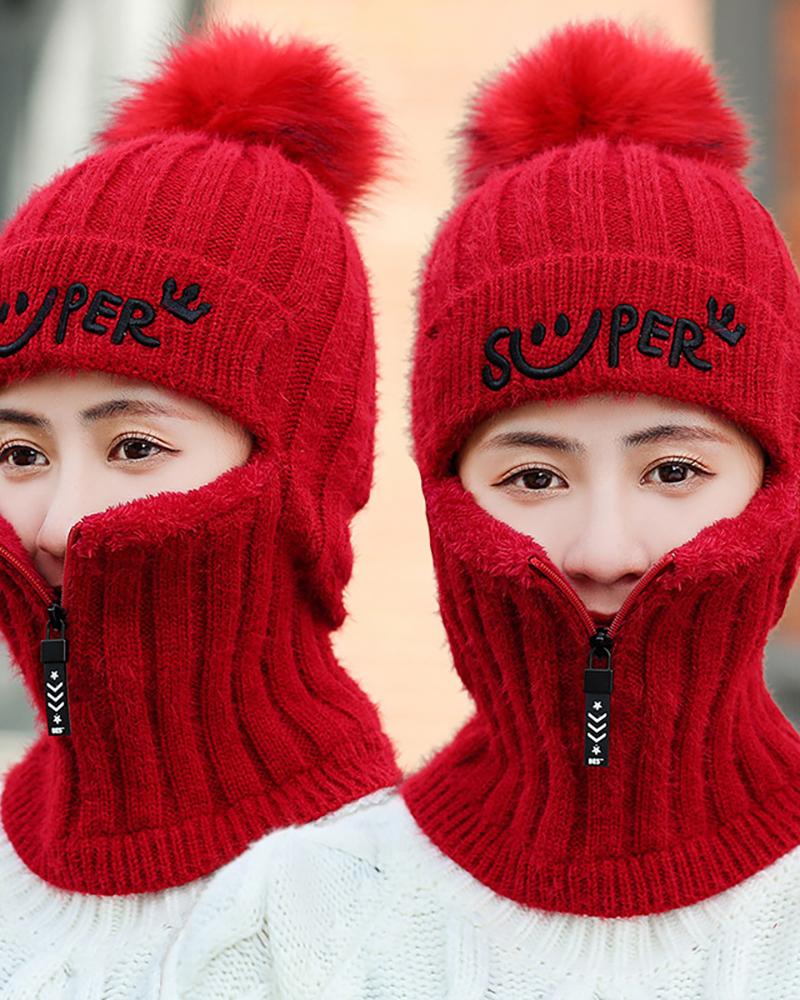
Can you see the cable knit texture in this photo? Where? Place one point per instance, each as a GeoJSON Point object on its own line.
{"type": "Point", "coordinates": [364, 906]}
{"type": "Point", "coordinates": [58, 945]}
{"type": "Point", "coordinates": [206, 705]}
{"type": "Point", "coordinates": [547, 282]}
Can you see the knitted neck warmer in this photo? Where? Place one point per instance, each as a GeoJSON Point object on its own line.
{"type": "Point", "coordinates": [643, 767]}
{"type": "Point", "coordinates": [205, 703]}
{"type": "Point", "coordinates": [701, 785]}
{"type": "Point", "coordinates": [203, 248]}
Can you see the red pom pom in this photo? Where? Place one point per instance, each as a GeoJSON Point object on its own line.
{"type": "Point", "coordinates": [236, 83]}
{"type": "Point", "coordinates": [599, 79]}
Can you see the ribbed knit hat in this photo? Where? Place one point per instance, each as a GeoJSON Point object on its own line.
{"type": "Point", "coordinates": [203, 248]}
{"type": "Point", "coordinates": [605, 243]}
{"type": "Point", "coordinates": [605, 153]}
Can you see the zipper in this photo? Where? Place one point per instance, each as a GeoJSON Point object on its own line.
{"type": "Point", "coordinates": [598, 681]}
{"type": "Point", "coordinates": [53, 653]}
{"type": "Point", "coordinates": [53, 649]}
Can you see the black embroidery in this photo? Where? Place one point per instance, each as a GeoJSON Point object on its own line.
{"type": "Point", "coordinates": [683, 346]}
{"type": "Point", "coordinates": [684, 336]}
{"type": "Point", "coordinates": [76, 296]}
{"type": "Point", "coordinates": [180, 307]}
{"type": "Point", "coordinates": [586, 342]}
{"type": "Point", "coordinates": [537, 336]}
{"type": "Point", "coordinates": [101, 305]}
{"type": "Point", "coordinates": [654, 324]}
{"type": "Point", "coordinates": [131, 315]}
{"type": "Point", "coordinates": [495, 358]}
{"type": "Point", "coordinates": [624, 318]}
{"type": "Point", "coordinates": [33, 327]}
{"type": "Point", "coordinates": [563, 325]}
{"type": "Point", "coordinates": [135, 314]}
{"type": "Point", "coordinates": [721, 324]}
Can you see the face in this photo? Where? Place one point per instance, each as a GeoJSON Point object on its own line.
{"type": "Point", "coordinates": [72, 445]}
{"type": "Point", "coordinates": [607, 485]}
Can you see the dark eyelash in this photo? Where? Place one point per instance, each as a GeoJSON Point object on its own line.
{"type": "Point", "coordinates": [691, 463]}
{"type": "Point", "coordinates": [11, 446]}
{"type": "Point", "coordinates": [6, 449]}
{"type": "Point", "coordinates": [685, 460]}
{"type": "Point", "coordinates": [137, 436]}
{"type": "Point", "coordinates": [521, 472]}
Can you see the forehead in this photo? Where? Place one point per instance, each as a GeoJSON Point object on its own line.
{"type": "Point", "coordinates": [66, 390]}
{"type": "Point", "coordinates": [54, 398]}
{"type": "Point", "coordinates": [601, 414]}
{"type": "Point", "coordinates": [64, 381]}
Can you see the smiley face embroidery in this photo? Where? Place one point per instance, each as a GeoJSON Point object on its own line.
{"type": "Point", "coordinates": [684, 337]}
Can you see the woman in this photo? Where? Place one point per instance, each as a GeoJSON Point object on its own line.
{"type": "Point", "coordinates": [176, 487]}
{"type": "Point", "coordinates": [607, 317]}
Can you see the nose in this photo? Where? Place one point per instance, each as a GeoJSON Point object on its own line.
{"type": "Point", "coordinates": [607, 553]}
{"type": "Point", "coordinates": [72, 498]}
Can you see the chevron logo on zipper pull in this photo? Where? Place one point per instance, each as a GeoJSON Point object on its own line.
{"type": "Point", "coordinates": [598, 685]}
{"type": "Point", "coordinates": [53, 653]}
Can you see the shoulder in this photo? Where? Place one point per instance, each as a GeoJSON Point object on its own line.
{"type": "Point", "coordinates": [59, 943]}
{"type": "Point", "coordinates": [363, 904]}
{"type": "Point", "coordinates": [277, 919]}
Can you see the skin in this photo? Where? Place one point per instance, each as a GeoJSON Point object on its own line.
{"type": "Point", "coordinates": [603, 510]}
{"type": "Point", "coordinates": [56, 471]}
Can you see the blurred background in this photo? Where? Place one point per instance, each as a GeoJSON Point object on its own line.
{"type": "Point", "coordinates": [63, 61]}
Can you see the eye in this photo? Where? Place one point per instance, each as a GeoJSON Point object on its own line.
{"type": "Point", "coordinates": [139, 447]}
{"type": "Point", "coordinates": [532, 480]}
{"type": "Point", "coordinates": [676, 472]}
{"type": "Point", "coordinates": [23, 456]}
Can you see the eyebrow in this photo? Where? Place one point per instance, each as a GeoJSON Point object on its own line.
{"type": "Point", "coordinates": [100, 411]}
{"type": "Point", "coordinates": [660, 432]}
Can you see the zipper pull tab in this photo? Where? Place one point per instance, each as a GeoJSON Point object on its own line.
{"type": "Point", "coordinates": [597, 685]}
{"type": "Point", "coordinates": [53, 654]}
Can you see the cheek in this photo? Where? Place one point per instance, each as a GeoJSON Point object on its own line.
{"type": "Point", "coordinates": [24, 506]}
{"type": "Point", "coordinates": [727, 495]}
{"type": "Point", "coordinates": [668, 523]}
{"type": "Point", "coordinates": [203, 457]}
{"type": "Point", "coordinates": [216, 451]}
{"type": "Point", "coordinates": [551, 524]}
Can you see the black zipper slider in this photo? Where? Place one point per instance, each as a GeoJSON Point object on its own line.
{"type": "Point", "coordinates": [598, 684]}
{"type": "Point", "coordinates": [53, 654]}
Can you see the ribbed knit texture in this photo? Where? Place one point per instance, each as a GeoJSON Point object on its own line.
{"type": "Point", "coordinates": [56, 945]}
{"type": "Point", "coordinates": [287, 347]}
{"type": "Point", "coordinates": [591, 226]}
{"type": "Point", "coordinates": [701, 788]}
{"type": "Point", "coordinates": [364, 906]}
{"type": "Point", "coordinates": [206, 705]}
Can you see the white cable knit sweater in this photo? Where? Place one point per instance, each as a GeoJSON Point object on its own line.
{"type": "Point", "coordinates": [362, 905]}
{"type": "Point", "coordinates": [57, 945]}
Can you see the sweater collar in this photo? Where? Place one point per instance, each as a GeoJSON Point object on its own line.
{"type": "Point", "coordinates": [205, 704]}
{"type": "Point", "coordinates": [696, 784]}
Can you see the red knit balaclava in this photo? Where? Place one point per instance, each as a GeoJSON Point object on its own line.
{"type": "Point", "coordinates": [204, 248]}
{"type": "Point", "coordinates": [606, 244]}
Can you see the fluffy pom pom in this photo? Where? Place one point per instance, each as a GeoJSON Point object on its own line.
{"type": "Point", "coordinates": [599, 79]}
{"type": "Point", "coordinates": [237, 83]}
